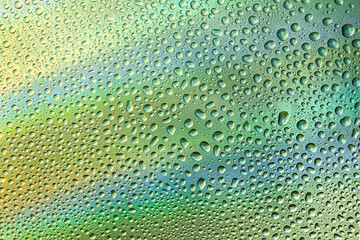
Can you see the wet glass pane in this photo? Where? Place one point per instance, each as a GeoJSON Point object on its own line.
{"type": "Point", "coordinates": [186, 119]}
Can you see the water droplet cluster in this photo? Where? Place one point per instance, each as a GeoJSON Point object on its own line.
{"type": "Point", "coordinates": [200, 119]}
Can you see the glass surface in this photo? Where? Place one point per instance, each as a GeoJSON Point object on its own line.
{"type": "Point", "coordinates": [158, 119]}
